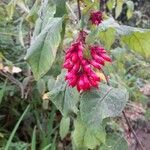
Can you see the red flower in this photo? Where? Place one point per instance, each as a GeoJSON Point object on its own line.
{"type": "Point", "coordinates": [80, 70]}
{"type": "Point", "coordinates": [98, 54]}
{"type": "Point", "coordinates": [96, 17]}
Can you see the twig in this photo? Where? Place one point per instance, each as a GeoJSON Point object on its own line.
{"type": "Point", "coordinates": [132, 130]}
{"type": "Point", "coordinates": [14, 81]}
{"type": "Point", "coordinates": [79, 9]}
{"type": "Point", "coordinates": [102, 5]}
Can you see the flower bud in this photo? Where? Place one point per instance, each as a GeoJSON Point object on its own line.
{"type": "Point", "coordinates": [106, 57]}
{"type": "Point", "coordinates": [80, 84]}
{"type": "Point", "coordinates": [95, 64]}
{"type": "Point", "coordinates": [73, 82]}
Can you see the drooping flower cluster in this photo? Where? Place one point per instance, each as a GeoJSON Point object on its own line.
{"type": "Point", "coordinates": [80, 70]}
{"type": "Point", "coordinates": [96, 17]}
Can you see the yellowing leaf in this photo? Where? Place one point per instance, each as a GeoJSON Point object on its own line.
{"type": "Point", "coordinates": [45, 96]}
{"type": "Point", "coordinates": [138, 41]}
{"type": "Point", "coordinates": [10, 8]}
{"type": "Point", "coordinates": [130, 10]}
{"type": "Point", "coordinates": [110, 4]}
{"type": "Point", "coordinates": [107, 37]}
{"type": "Point", "coordinates": [118, 8]}
{"type": "Point", "coordinates": [101, 75]}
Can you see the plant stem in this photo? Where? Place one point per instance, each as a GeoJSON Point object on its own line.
{"type": "Point", "coordinates": [102, 5]}
{"type": "Point", "coordinates": [79, 10]}
{"type": "Point", "coordinates": [132, 130]}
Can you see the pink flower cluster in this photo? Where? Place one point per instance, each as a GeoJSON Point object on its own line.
{"type": "Point", "coordinates": [80, 69]}
{"type": "Point", "coordinates": [96, 17]}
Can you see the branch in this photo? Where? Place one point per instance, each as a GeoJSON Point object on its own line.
{"type": "Point", "coordinates": [102, 5]}
{"type": "Point", "coordinates": [79, 10]}
{"type": "Point", "coordinates": [132, 130]}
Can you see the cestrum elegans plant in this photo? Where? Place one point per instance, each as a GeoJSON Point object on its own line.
{"type": "Point", "coordinates": [80, 93]}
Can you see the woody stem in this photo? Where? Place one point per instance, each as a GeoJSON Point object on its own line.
{"type": "Point", "coordinates": [79, 10]}
{"type": "Point", "coordinates": [102, 5]}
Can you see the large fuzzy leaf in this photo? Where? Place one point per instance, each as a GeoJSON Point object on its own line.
{"type": "Point", "coordinates": [114, 142]}
{"type": "Point", "coordinates": [64, 127]}
{"type": "Point", "coordinates": [101, 103]}
{"type": "Point", "coordinates": [65, 98]}
{"type": "Point", "coordinates": [85, 137]}
{"type": "Point", "coordinates": [136, 39]}
{"type": "Point", "coordinates": [42, 51]}
{"type": "Point", "coordinates": [60, 8]}
{"type": "Point", "coordinates": [107, 37]}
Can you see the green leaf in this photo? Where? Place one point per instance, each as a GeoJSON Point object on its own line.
{"type": "Point", "coordinates": [86, 137]}
{"type": "Point", "coordinates": [101, 103]}
{"type": "Point", "coordinates": [110, 4]}
{"type": "Point", "coordinates": [10, 8]}
{"type": "Point", "coordinates": [105, 32]}
{"type": "Point", "coordinates": [2, 91]}
{"type": "Point", "coordinates": [33, 15]}
{"type": "Point", "coordinates": [137, 40]}
{"type": "Point", "coordinates": [118, 8]}
{"type": "Point", "coordinates": [47, 11]}
{"type": "Point", "coordinates": [50, 83]}
{"type": "Point", "coordinates": [108, 23]}
{"type": "Point", "coordinates": [64, 127]}
{"type": "Point", "coordinates": [21, 33]}
{"type": "Point", "coordinates": [108, 37]}
{"type": "Point", "coordinates": [38, 27]}
{"type": "Point", "coordinates": [47, 147]}
{"type": "Point", "coordinates": [22, 5]}
{"type": "Point", "coordinates": [130, 10]}
{"type": "Point", "coordinates": [33, 144]}
{"type": "Point", "coordinates": [41, 86]}
{"type": "Point", "coordinates": [64, 97]}
{"type": "Point", "coordinates": [18, 146]}
{"type": "Point", "coordinates": [60, 8]}
{"type": "Point", "coordinates": [42, 51]}
{"type": "Point", "coordinates": [15, 128]}
{"type": "Point", "coordinates": [114, 142]}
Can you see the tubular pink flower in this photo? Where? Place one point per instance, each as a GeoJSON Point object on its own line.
{"type": "Point", "coordinates": [80, 70]}
{"type": "Point", "coordinates": [96, 64]}
{"type": "Point", "coordinates": [106, 57]}
{"type": "Point", "coordinates": [74, 57]}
